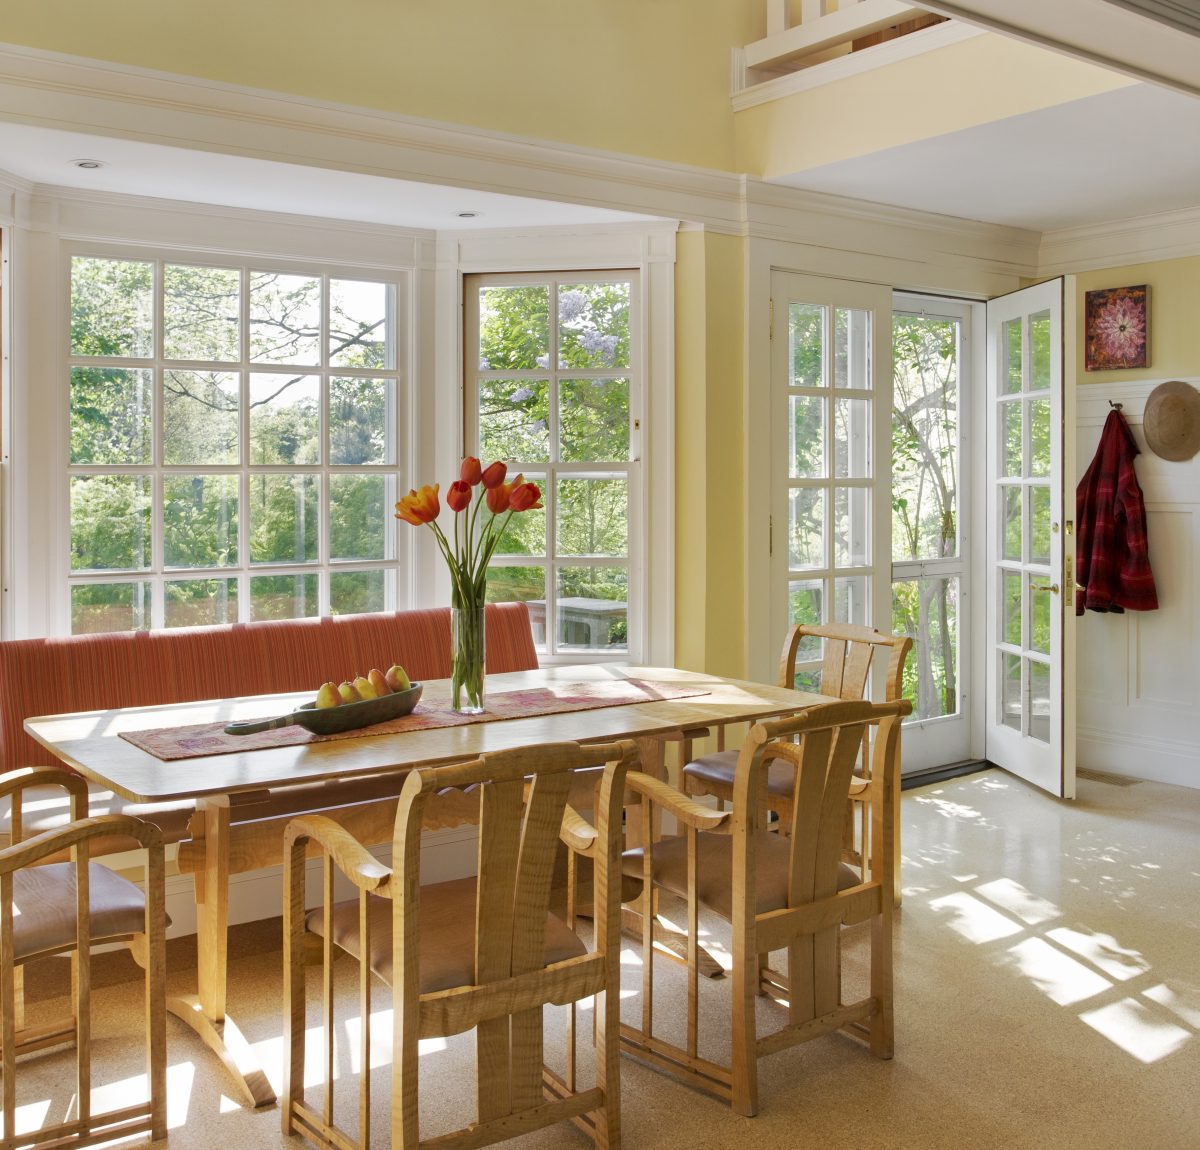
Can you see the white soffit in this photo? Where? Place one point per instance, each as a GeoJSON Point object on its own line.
{"type": "Point", "coordinates": [1130, 152]}
{"type": "Point", "coordinates": [44, 156]}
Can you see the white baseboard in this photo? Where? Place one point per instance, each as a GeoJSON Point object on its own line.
{"type": "Point", "coordinates": [1139, 757]}
{"type": "Point", "coordinates": [445, 854]}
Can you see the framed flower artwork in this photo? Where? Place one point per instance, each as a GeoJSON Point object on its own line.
{"type": "Point", "coordinates": [1116, 329]}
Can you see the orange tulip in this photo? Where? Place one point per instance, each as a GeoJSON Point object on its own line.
{"type": "Point", "coordinates": [497, 498]}
{"type": "Point", "coordinates": [419, 507]}
{"type": "Point", "coordinates": [470, 473]}
{"type": "Point", "coordinates": [525, 497]}
{"type": "Point", "coordinates": [458, 495]}
{"type": "Point", "coordinates": [493, 475]}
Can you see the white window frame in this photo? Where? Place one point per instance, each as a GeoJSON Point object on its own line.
{"type": "Point", "coordinates": [553, 470]}
{"type": "Point", "coordinates": [396, 587]}
{"type": "Point", "coordinates": [648, 247]}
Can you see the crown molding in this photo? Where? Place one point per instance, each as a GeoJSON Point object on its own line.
{"type": "Point", "coordinates": [83, 95]}
{"type": "Point", "coordinates": [1139, 240]}
{"type": "Point", "coordinates": [843, 67]}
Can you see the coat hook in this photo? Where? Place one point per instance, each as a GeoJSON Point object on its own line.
{"type": "Point", "coordinates": [1115, 406]}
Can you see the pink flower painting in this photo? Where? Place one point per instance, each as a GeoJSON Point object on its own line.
{"type": "Point", "coordinates": [1117, 329]}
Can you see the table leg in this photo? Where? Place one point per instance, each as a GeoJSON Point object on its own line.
{"type": "Point", "coordinates": [205, 1012]}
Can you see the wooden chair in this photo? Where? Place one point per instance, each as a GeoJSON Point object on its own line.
{"type": "Point", "coordinates": [66, 907]}
{"type": "Point", "coordinates": [477, 953]}
{"type": "Point", "coordinates": [847, 658]}
{"type": "Point", "coordinates": [780, 892]}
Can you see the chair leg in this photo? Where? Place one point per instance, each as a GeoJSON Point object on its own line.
{"type": "Point", "coordinates": [744, 1038]}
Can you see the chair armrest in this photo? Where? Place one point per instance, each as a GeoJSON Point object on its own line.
{"type": "Point", "coordinates": [12, 782]}
{"type": "Point", "coordinates": [349, 855]}
{"type": "Point", "coordinates": [577, 832]}
{"type": "Point", "coordinates": [691, 813]}
{"type": "Point", "coordinates": [29, 851]}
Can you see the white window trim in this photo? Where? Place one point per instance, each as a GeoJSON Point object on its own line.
{"type": "Point", "coordinates": [650, 250]}
{"type": "Point", "coordinates": [47, 233]}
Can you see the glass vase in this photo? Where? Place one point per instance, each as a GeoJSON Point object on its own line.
{"type": "Point", "coordinates": [468, 636]}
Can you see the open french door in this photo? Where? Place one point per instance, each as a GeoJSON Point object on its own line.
{"type": "Point", "coordinates": [1029, 723]}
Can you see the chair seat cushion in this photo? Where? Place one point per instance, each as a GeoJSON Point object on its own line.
{"type": "Point", "coordinates": [714, 870]}
{"type": "Point", "coordinates": [717, 770]}
{"type": "Point", "coordinates": [44, 907]}
{"type": "Point", "coordinates": [447, 935]}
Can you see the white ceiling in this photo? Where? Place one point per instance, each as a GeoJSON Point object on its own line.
{"type": "Point", "coordinates": [1130, 152]}
{"type": "Point", "coordinates": [44, 156]}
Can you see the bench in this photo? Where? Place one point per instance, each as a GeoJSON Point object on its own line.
{"type": "Point", "coordinates": [144, 668]}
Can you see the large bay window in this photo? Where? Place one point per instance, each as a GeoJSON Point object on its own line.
{"type": "Point", "coordinates": [235, 438]}
{"type": "Point", "coordinates": [554, 388]}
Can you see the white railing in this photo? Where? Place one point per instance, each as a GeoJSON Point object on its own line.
{"type": "Point", "coordinates": [825, 28]}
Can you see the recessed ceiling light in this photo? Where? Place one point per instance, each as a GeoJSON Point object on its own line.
{"type": "Point", "coordinates": [468, 215]}
{"type": "Point", "coordinates": [89, 164]}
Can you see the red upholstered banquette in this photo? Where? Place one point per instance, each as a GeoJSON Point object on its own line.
{"type": "Point", "coordinates": [100, 672]}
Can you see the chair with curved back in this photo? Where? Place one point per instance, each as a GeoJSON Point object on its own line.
{"type": "Point", "coordinates": [482, 953]}
{"type": "Point", "coordinates": [847, 658]}
{"type": "Point", "coordinates": [779, 892]}
{"type": "Point", "coordinates": [50, 907]}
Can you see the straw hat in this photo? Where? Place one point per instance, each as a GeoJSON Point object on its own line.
{"type": "Point", "coordinates": [1171, 422]}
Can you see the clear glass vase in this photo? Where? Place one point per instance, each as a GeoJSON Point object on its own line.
{"type": "Point", "coordinates": [468, 636]}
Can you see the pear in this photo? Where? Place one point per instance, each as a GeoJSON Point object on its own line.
{"type": "Point", "coordinates": [376, 679]}
{"type": "Point", "coordinates": [349, 692]}
{"type": "Point", "coordinates": [364, 688]}
{"type": "Point", "coordinates": [396, 678]}
{"type": "Point", "coordinates": [328, 696]}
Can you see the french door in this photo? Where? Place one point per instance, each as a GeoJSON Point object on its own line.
{"type": "Point", "coordinates": [1029, 715]}
{"type": "Point", "coordinates": [830, 457]}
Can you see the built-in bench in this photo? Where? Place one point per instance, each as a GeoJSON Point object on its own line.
{"type": "Point", "coordinates": [136, 669]}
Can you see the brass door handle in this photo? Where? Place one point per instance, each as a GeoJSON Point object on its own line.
{"type": "Point", "coordinates": [1051, 587]}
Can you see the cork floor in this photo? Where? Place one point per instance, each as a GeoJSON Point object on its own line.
{"type": "Point", "coordinates": [1047, 995]}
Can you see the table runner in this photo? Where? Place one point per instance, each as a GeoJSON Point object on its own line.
{"type": "Point", "coordinates": [434, 710]}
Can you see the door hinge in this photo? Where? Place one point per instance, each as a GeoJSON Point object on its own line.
{"type": "Point", "coordinates": [770, 534]}
{"type": "Point", "coordinates": [771, 319]}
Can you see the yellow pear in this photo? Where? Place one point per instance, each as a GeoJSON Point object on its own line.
{"type": "Point", "coordinates": [349, 692]}
{"type": "Point", "coordinates": [363, 686]}
{"type": "Point", "coordinates": [376, 679]}
{"type": "Point", "coordinates": [397, 678]}
{"type": "Point", "coordinates": [328, 695]}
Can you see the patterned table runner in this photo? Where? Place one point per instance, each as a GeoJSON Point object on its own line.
{"type": "Point", "coordinates": [210, 739]}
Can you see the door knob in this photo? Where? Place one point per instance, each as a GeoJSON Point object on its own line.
{"type": "Point", "coordinates": [1051, 587]}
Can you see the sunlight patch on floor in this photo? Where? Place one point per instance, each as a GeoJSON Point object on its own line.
{"type": "Point", "coordinates": [1132, 1027]}
{"type": "Point", "coordinates": [973, 919]}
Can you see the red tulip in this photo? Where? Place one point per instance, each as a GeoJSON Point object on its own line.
{"type": "Point", "coordinates": [419, 507]}
{"type": "Point", "coordinates": [458, 496]}
{"type": "Point", "coordinates": [493, 475]}
{"type": "Point", "coordinates": [525, 497]}
{"type": "Point", "coordinates": [470, 473]}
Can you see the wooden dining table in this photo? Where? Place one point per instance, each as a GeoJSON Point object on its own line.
{"type": "Point", "coordinates": [91, 743]}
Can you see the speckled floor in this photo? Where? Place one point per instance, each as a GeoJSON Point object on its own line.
{"type": "Point", "coordinates": [1047, 996]}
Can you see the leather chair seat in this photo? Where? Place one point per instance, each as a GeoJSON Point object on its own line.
{"type": "Point", "coordinates": [720, 767]}
{"type": "Point", "coordinates": [447, 935]}
{"type": "Point", "coordinates": [714, 870]}
{"type": "Point", "coordinates": [44, 907]}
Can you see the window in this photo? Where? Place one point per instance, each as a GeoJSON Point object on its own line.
{"type": "Point", "coordinates": [234, 443]}
{"type": "Point", "coordinates": [553, 387]}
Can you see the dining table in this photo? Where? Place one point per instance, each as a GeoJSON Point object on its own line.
{"type": "Point", "coordinates": [103, 746]}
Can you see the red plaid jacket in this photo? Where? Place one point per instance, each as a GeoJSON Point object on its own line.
{"type": "Point", "coordinates": [1112, 561]}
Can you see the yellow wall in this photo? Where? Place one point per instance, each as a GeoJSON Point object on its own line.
{"type": "Point", "coordinates": [709, 506]}
{"type": "Point", "coordinates": [976, 81]}
{"type": "Point", "coordinates": [1174, 311]}
{"type": "Point", "coordinates": [647, 77]}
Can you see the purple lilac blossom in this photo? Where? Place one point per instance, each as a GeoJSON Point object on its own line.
{"type": "Point", "coordinates": [522, 395]}
{"type": "Point", "coordinates": [542, 361]}
{"type": "Point", "coordinates": [571, 305]}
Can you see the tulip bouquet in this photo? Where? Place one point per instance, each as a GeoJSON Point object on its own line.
{"type": "Point", "coordinates": [483, 502]}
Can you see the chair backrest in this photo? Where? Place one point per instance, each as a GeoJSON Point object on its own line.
{"type": "Point", "coordinates": [828, 740]}
{"type": "Point", "coordinates": [849, 650]}
{"type": "Point", "coordinates": [523, 795]}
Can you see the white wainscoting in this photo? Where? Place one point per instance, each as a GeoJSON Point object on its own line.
{"type": "Point", "coordinates": [1139, 673]}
